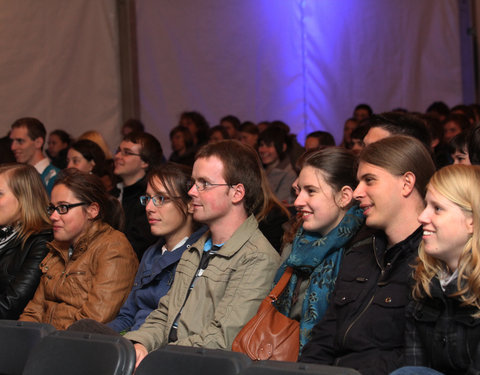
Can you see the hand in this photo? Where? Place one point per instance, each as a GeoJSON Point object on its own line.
{"type": "Point", "coordinates": [141, 353]}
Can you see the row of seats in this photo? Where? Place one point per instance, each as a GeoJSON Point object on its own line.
{"type": "Point", "coordinates": [35, 348]}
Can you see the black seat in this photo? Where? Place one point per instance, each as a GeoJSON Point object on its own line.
{"type": "Point", "coordinates": [183, 360]}
{"type": "Point", "coordinates": [291, 368]}
{"type": "Point", "coordinates": [78, 353]}
{"type": "Point", "coordinates": [16, 341]}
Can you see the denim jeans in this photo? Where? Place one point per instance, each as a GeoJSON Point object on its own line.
{"type": "Point", "coordinates": [415, 370]}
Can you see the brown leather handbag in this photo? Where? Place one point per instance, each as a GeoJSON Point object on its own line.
{"type": "Point", "coordinates": [270, 334]}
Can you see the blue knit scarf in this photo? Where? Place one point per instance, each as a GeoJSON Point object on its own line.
{"type": "Point", "coordinates": [317, 258]}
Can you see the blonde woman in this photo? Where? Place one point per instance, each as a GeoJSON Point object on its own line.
{"type": "Point", "coordinates": [25, 230]}
{"type": "Point", "coordinates": [443, 320]}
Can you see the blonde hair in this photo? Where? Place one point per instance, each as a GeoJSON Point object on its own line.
{"type": "Point", "coordinates": [96, 137]}
{"type": "Point", "coordinates": [459, 184]}
{"type": "Point", "coordinates": [27, 187]}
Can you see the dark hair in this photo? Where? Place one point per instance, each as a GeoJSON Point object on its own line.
{"type": "Point", "coordinates": [89, 188]}
{"type": "Point", "coordinates": [365, 107]}
{"type": "Point", "coordinates": [63, 135]}
{"type": "Point", "coordinates": [187, 135]}
{"type": "Point", "coordinates": [337, 164]}
{"type": "Point", "coordinates": [434, 126]}
{"type": "Point", "coordinates": [134, 124]}
{"type": "Point", "coordinates": [401, 124]}
{"type": "Point", "coordinates": [474, 145]}
{"type": "Point", "coordinates": [241, 165]}
{"type": "Point", "coordinates": [150, 148]}
{"type": "Point", "coordinates": [464, 110]}
{"type": "Point", "coordinates": [232, 120]}
{"type": "Point", "coordinates": [220, 129]}
{"type": "Point", "coordinates": [202, 124]}
{"type": "Point", "coordinates": [175, 179]}
{"type": "Point", "coordinates": [459, 119]}
{"type": "Point", "coordinates": [324, 138]}
{"type": "Point", "coordinates": [360, 131]}
{"type": "Point", "coordinates": [249, 127]}
{"type": "Point", "coordinates": [439, 107]}
{"type": "Point", "coordinates": [458, 142]}
{"type": "Point", "coordinates": [276, 136]}
{"type": "Point", "coordinates": [91, 151]}
{"type": "Point", "coordinates": [35, 128]}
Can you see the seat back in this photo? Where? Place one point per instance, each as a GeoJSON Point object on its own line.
{"type": "Point", "coordinates": [175, 359]}
{"type": "Point", "coordinates": [78, 353]}
{"type": "Point", "coordinates": [294, 368]}
{"type": "Point", "coordinates": [16, 341]}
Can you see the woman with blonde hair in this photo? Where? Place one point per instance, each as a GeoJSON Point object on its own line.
{"type": "Point", "coordinates": [25, 230]}
{"type": "Point", "coordinates": [443, 320]}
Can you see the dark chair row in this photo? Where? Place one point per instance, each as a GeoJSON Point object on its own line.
{"type": "Point", "coordinates": [33, 348]}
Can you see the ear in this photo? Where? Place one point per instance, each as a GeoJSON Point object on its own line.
{"type": "Point", "coordinates": [408, 180]}
{"type": "Point", "coordinates": [344, 197]}
{"type": "Point", "coordinates": [469, 223]}
{"type": "Point", "coordinates": [92, 164]}
{"type": "Point", "coordinates": [284, 147]}
{"type": "Point", "coordinates": [190, 208]}
{"type": "Point", "coordinates": [38, 142]}
{"type": "Point", "coordinates": [93, 210]}
{"type": "Point", "coordinates": [144, 165]}
{"type": "Point", "coordinates": [238, 193]}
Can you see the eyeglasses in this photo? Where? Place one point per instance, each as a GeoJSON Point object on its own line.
{"type": "Point", "coordinates": [124, 152]}
{"type": "Point", "coordinates": [158, 200]}
{"type": "Point", "coordinates": [62, 209]}
{"type": "Point", "coordinates": [204, 185]}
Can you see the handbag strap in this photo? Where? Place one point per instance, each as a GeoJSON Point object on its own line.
{"type": "Point", "coordinates": [282, 283]}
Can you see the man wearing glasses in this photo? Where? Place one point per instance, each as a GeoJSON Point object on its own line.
{"type": "Point", "coordinates": [137, 153]}
{"type": "Point", "coordinates": [220, 280]}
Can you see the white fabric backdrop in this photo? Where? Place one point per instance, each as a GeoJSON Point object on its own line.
{"type": "Point", "coordinates": [307, 62]}
{"type": "Point", "coordinates": [59, 63]}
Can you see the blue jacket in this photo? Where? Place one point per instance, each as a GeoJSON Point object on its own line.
{"type": "Point", "coordinates": [152, 281]}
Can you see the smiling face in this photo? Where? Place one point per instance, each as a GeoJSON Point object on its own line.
{"type": "Point", "coordinates": [76, 160]}
{"type": "Point", "coordinates": [9, 206]}
{"type": "Point", "coordinates": [128, 164]}
{"type": "Point", "coordinates": [446, 228]}
{"type": "Point", "coordinates": [379, 193]}
{"type": "Point", "coordinates": [317, 202]}
{"type": "Point", "coordinates": [23, 147]}
{"type": "Point", "coordinates": [268, 153]}
{"type": "Point", "coordinates": [70, 226]}
{"type": "Point", "coordinates": [167, 220]}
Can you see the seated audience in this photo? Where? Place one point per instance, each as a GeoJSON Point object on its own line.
{"type": "Point", "coordinates": [272, 148]}
{"type": "Point", "coordinates": [357, 139]}
{"type": "Point", "coordinates": [198, 126]}
{"type": "Point", "coordinates": [458, 147]}
{"type": "Point", "coordinates": [132, 126]}
{"type": "Point", "coordinates": [318, 139]}
{"type": "Point", "coordinates": [348, 128]}
{"type": "Point", "coordinates": [217, 133]}
{"type": "Point", "coordinates": [249, 134]}
{"type": "Point", "coordinates": [329, 219]}
{"type": "Point", "coordinates": [27, 140]}
{"type": "Point", "coordinates": [362, 112]}
{"type": "Point", "coordinates": [97, 137]}
{"type": "Point", "coordinates": [169, 212]}
{"type": "Point", "coordinates": [183, 149]}
{"type": "Point", "coordinates": [58, 143]}
{"type": "Point", "coordinates": [364, 324]}
{"type": "Point", "coordinates": [25, 231]}
{"type": "Point", "coordinates": [87, 157]}
{"type": "Point", "coordinates": [453, 125]}
{"type": "Point", "coordinates": [443, 320]}
{"type": "Point", "coordinates": [220, 280]}
{"type": "Point", "coordinates": [90, 266]}
{"type": "Point", "coordinates": [232, 126]}
{"type": "Point", "coordinates": [438, 109]}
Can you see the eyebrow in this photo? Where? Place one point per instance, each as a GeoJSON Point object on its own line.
{"type": "Point", "coordinates": [363, 176]}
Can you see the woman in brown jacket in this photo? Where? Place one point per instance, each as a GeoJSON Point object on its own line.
{"type": "Point", "coordinates": [91, 266]}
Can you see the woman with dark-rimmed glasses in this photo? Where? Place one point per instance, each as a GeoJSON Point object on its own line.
{"type": "Point", "coordinates": [90, 266]}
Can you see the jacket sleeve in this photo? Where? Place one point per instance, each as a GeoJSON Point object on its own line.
{"type": "Point", "coordinates": [24, 284]}
{"type": "Point", "coordinates": [153, 333]}
{"type": "Point", "coordinates": [33, 312]}
{"type": "Point", "coordinates": [246, 289]}
{"type": "Point", "coordinates": [414, 349]}
{"type": "Point", "coordinates": [114, 269]}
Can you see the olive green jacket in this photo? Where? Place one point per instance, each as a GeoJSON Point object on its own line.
{"type": "Point", "coordinates": [225, 297]}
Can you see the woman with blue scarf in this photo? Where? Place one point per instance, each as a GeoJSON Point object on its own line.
{"type": "Point", "coordinates": [329, 218]}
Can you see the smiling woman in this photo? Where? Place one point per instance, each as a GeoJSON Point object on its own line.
{"type": "Point", "coordinates": [90, 267]}
{"type": "Point", "coordinates": [443, 321]}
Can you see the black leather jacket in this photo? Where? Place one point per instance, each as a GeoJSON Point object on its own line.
{"type": "Point", "coordinates": [442, 334]}
{"type": "Point", "coordinates": [20, 272]}
{"type": "Point", "coordinates": [365, 323]}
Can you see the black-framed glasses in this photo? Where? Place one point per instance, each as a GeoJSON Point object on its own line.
{"type": "Point", "coordinates": [158, 200]}
{"type": "Point", "coordinates": [62, 209]}
{"type": "Point", "coordinates": [124, 152]}
{"type": "Point", "coordinates": [204, 185]}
